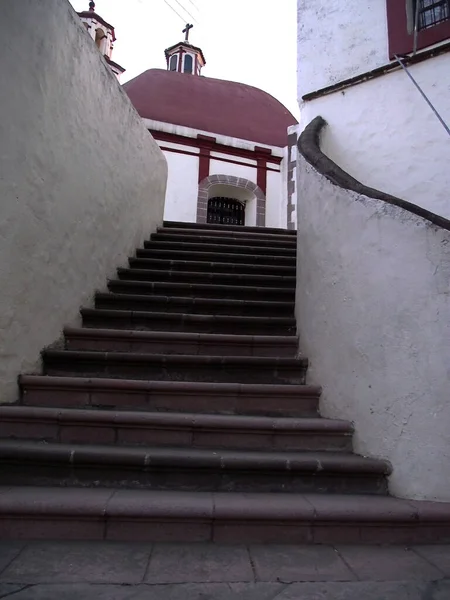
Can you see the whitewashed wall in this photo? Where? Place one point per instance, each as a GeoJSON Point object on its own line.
{"type": "Point", "coordinates": [182, 185]}
{"type": "Point", "coordinates": [373, 312]}
{"type": "Point", "coordinates": [381, 131]}
{"type": "Point", "coordinates": [82, 183]}
{"type": "Point", "coordinates": [274, 202]}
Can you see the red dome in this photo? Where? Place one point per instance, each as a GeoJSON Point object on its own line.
{"type": "Point", "coordinates": [214, 105]}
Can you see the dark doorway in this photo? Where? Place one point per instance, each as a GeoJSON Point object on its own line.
{"type": "Point", "coordinates": [227, 211]}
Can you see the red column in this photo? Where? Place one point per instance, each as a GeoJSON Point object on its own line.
{"type": "Point", "coordinates": [205, 143]}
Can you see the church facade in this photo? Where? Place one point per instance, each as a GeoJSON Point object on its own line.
{"type": "Point", "coordinates": [230, 147]}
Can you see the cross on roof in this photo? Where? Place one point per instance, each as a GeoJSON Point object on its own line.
{"type": "Point", "coordinates": [186, 31]}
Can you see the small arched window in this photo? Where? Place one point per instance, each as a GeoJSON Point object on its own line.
{"type": "Point", "coordinates": [187, 63]}
{"type": "Point", "coordinates": [100, 35]}
{"type": "Point", "coordinates": [173, 63]}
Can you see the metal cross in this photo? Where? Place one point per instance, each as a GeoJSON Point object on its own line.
{"type": "Point", "coordinates": [186, 31]}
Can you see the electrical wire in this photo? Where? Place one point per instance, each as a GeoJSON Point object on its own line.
{"type": "Point", "coordinates": [186, 10]}
{"type": "Point", "coordinates": [176, 12]}
{"type": "Point", "coordinates": [194, 5]}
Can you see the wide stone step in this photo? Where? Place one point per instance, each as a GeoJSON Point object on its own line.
{"type": "Point", "coordinates": [165, 321]}
{"type": "Point", "coordinates": [163, 342]}
{"type": "Point", "coordinates": [196, 469]}
{"type": "Point", "coordinates": [158, 516]}
{"type": "Point", "coordinates": [173, 396]}
{"type": "Point", "coordinates": [254, 237]}
{"type": "Point", "coordinates": [196, 244]}
{"type": "Point", "coordinates": [191, 430]}
{"type": "Point", "coordinates": [172, 367]}
{"type": "Point", "coordinates": [210, 237]}
{"type": "Point", "coordinates": [210, 266]}
{"type": "Point", "coordinates": [193, 277]}
{"type": "Point", "coordinates": [204, 290]}
{"type": "Point", "coordinates": [222, 257]}
{"type": "Point", "coordinates": [190, 305]}
{"type": "Point", "coordinates": [218, 229]}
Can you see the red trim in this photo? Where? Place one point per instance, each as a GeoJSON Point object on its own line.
{"type": "Point", "coordinates": [190, 48]}
{"type": "Point", "coordinates": [261, 175]}
{"type": "Point", "coordinates": [226, 160]}
{"type": "Point", "coordinates": [113, 64]}
{"type": "Point", "coordinates": [180, 60]}
{"type": "Point", "coordinates": [164, 136]}
{"type": "Point", "coordinates": [400, 41]}
{"type": "Point", "coordinates": [205, 143]}
{"type": "Point", "coordinates": [89, 14]}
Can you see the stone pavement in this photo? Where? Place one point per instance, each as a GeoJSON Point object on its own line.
{"type": "Point", "coordinates": [118, 571]}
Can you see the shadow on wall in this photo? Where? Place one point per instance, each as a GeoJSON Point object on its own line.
{"type": "Point", "coordinates": [373, 311]}
{"type": "Point", "coordinates": [69, 213]}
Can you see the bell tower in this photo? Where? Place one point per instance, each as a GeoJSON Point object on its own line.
{"type": "Point", "coordinates": [103, 35]}
{"type": "Point", "coordinates": [184, 57]}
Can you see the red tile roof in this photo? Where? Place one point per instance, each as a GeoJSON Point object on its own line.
{"type": "Point", "coordinates": [214, 105]}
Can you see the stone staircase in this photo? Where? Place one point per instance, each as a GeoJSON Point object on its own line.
{"type": "Point", "coordinates": [179, 412]}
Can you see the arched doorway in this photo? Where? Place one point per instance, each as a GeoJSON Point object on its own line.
{"type": "Point", "coordinates": [237, 189]}
{"type": "Point", "coordinates": [225, 211]}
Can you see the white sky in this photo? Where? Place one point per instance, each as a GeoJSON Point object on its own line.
{"type": "Point", "coordinates": [251, 41]}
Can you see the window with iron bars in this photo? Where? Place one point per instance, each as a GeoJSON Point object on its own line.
{"type": "Point", "coordinates": [432, 12]}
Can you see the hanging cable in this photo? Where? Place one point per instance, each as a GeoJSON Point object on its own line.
{"type": "Point", "coordinates": [194, 5]}
{"type": "Point", "coordinates": [176, 12]}
{"type": "Point", "coordinates": [186, 10]}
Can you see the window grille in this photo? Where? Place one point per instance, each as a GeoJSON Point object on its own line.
{"type": "Point", "coordinates": [433, 12]}
{"type": "Point", "coordinates": [226, 211]}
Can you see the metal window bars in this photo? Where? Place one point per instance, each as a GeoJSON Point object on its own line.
{"type": "Point", "coordinates": [432, 12]}
{"type": "Point", "coordinates": [226, 211]}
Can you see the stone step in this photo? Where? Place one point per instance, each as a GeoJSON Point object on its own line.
{"type": "Point", "coordinates": [172, 396]}
{"type": "Point", "coordinates": [210, 267]}
{"type": "Point", "coordinates": [193, 277]}
{"type": "Point", "coordinates": [255, 237]}
{"type": "Point", "coordinates": [210, 237]}
{"type": "Point", "coordinates": [217, 229]}
{"type": "Point", "coordinates": [222, 257]}
{"type": "Point", "coordinates": [173, 367]}
{"type": "Point", "coordinates": [191, 430]}
{"type": "Point", "coordinates": [158, 516]}
{"type": "Point", "coordinates": [190, 305]}
{"type": "Point", "coordinates": [167, 342]}
{"type": "Point", "coordinates": [211, 244]}
{"type": "Point", "coordinates": [164, 321]}
{"type": "Point", "coordinates": [204, 290]}
{"type": "Point", "coordinates": [195, 469]}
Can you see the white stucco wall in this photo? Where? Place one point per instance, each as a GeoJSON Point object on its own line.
{"type": "Point", "coordinates": [373, 312]}
{"type": "Point", "coordinates": [182, 186]}
{"type": "Point", "coordinates": [82, 182]}
{"type": "Point", "coordinates": [275, 192]}
{"type": "Point", "coordinates": [218, 167]}
{"type": "Point", "coordinates": [381, 131]}
{"type": "Point", "coordinates": [338, 40]}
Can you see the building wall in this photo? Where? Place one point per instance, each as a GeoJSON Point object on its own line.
{"type": "Point", "coordinates": [182, 183]}
{"type": "Point", "coordinates": [373, 313]}
{"type": "Point", "coordinates": [184, 172]}
{"type": "Point", "coordinates": [381, 131]}
{"type": "Point", "coordinates": [274, 213]}
{"type": "Point", "coordinates": [82, 183]}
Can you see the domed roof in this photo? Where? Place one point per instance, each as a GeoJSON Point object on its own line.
{"type": "Point", "coordinates": [214, 105]}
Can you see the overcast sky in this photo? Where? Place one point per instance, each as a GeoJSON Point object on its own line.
{"type": "Point", "coordinates": [251, 41]}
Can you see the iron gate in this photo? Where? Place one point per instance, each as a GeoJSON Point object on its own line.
{"type": "Point", "coordinates": [227, 211]}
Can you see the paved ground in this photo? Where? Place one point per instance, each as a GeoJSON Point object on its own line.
{"type": "Point", "coordinates": [114, 571]}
